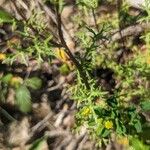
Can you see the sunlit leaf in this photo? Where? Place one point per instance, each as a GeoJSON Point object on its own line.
{"type": "Point", "coordinates": [23, 99]}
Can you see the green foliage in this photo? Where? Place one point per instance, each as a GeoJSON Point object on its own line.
{"type": "Point", "coordinates": [5, 17]}
{"type": "Point", "coordinates": [23, 99]}
{"type": "Point", "coordinates": [145, 106]}
{"type": "Point", "coordinates": [35, 83]}
{"type": "Point", "coordinates": [88, 3]}
{"type": "Point", "coordinates": [105, 112]}
{"type": "Point", "coordinates": [64, 69]}
{"type": "Point", "coordinates": [136, 144]}
{"type": "Point", "coordinates": [6, 79]}
{"type": "Point", "coordinates": [22, 93]}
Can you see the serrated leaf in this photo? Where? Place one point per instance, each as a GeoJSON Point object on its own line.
{"type": "Point", "coordinates": [6, 79]}
{"type": "Point", "coordinates": [23, 99]}
{"type": "Point", "coordinates": [5, 17]}
{"type": "Point", "coordinates": [145, 106]}
{"type": "Point", "coordinates": [34, 83]}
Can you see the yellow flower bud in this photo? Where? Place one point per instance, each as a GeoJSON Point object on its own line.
{"type": "Point", "coordinates": [2, 56]}
{"type": "Point", "coordinates": [123, 141]}
{"type": "Point", "coordinates": [108, 124]}
{"type": "Point", "coordinates": [16, 81]}
{"type": "Point", "coordinates": [86, 111]}
{"type": "Point", "coordinates": [61, 54]}
{"type": "Point", "coordinates": [63, 57]}
{"type": "Point", "coordinates": [148, 60]}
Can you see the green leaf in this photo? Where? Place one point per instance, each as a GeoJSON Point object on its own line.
{"type": "Point", "coordinates": [138, 127]}
{"type": "Point", "coordinates": [145, 106]}
{"type": "Point", "coordinates": [5, 17]}
{"type": "Point", "coordinates": [99, 128]}
{"type": "Point", "coordinates": [3, 94]}
{"type": "Point", "coordinates": [6, 79]}
{"type": "Point", "coordinates": [105, 132]}
{"type": "Point", "coordinates": [112, 102]}
{"type": "Point", "coordinates": [64, 69]}
{"type": "Point", "coordinates": [34, 83]}
{"type": "Point", "coordinates": [23, 99]}
{"type": "Point", "coordinates": [138, 145]}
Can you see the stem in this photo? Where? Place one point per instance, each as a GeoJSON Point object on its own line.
{"type": "Point", "coordinates": [97, 27]}
{"type": "Point", "coordinates": [119, 4]}
{"type": "Point", "coordinates": [68, 51]}
{"type": "Point", "coordinates": [95, 22]}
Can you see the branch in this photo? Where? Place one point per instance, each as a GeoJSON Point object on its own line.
{"type": "Point", "coordinates": [68, 51]}
{"type": "Point", "coordinates": [130, 31]}
{"type": "Point", "coordinates": [136, 3]}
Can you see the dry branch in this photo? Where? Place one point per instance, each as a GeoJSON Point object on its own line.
{"type": "Point", "coordinates": [133, 30]}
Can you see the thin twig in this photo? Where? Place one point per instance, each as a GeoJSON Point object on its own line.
{"type": "Point", "coordinates": [52, 17]}
{"type": "Point", "coordinates": [41, 123]}
{"type": "Point", "coordinates": [56, 133]}
{"type": "Point", "coordinates": [95, 22]}
{"type": "Point", "coordinates": [6, 114]}
{"type": "Point", "coordinates": [119, 4]}
{"type": "Point", "coordinates": [97, 27]}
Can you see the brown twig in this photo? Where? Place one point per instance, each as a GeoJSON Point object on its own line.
{"type": "Point", "coordinates": [95, 22]}
{"type": "Point", "coordinates": [41, 124]}
{"type": "Point", "coordinates": [131, 30]}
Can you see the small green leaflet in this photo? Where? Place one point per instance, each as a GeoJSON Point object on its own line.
{"type": "Point", "coordinates": [23, 99]}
